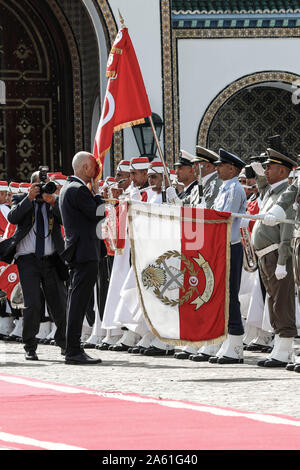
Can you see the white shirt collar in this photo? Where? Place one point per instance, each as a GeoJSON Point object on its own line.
{"type": "Point", "coordinates": [186, 187]}
{"type": "Point", "coordinates": [206, 177]}
{"type": "Point", "coordinates": [274, 185]}
{"type": "Point", "coordinates": [77, 177]}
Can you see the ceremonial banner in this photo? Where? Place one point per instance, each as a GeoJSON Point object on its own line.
{"type": "Point", "coordinates": [181, 258]}
{"type": "Point", "coordinates": [126, 102]}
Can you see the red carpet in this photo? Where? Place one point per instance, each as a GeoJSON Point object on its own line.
{"type": "Point", "coordinates": [38, 415]}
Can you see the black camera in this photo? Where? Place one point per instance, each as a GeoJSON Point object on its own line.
{"type": "Point", "coordinates": [45, 187]}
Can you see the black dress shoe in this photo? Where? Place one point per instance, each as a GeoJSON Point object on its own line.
{"type": "Point", "coordinates": [297, 368]}
{"type": "Point", "coordinates": [266, 349]}
{"type": "Point", "coordinates": [31, 356]}
{"type": "Point", "coordinates": [119, 347]}
{"type": "Point", "coordinates": [254, 347]}
{"type": "Point", "coordinates": [88, 346]}
{"type": "Point", "coordinates": [182, 355]}
{"type": "Point", "coordinates": [102, 346]}
{"type": "Point", "coordinates": [230, 360]}
{"type": "Point", "coordinates": [153, 351]}
{"type": "Point", "coordinates": [137, 350]}
{"type": "Point", "coordinates": [81, 359]}
{"type": "Point", "coordinates": [201, 357]}
{"type": "Point", "coordinates": [272, 363]}
{"type": "Point", "coordinates": [290, 366]}
{"type": "Point", "coordinates": [213, 359]}
{"type": "Point", "coordinates": [10, 338]}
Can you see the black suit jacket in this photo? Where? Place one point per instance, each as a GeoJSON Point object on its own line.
{"type": "Point", "coordinates": [22, 214]}
{"type": "Point", "coordinates": [79, 209]}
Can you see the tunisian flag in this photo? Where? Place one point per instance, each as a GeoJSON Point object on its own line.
{"type": "Point", "coordinates": [9, 279]}
{"type": "Point", "coordinates": [126, 102]}
{"type": "Point", "coordinates": [181, 258]}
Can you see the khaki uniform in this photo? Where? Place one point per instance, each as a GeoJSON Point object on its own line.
{"type": "Point", "coordinates": [275, 241]}
{"type": "Point", "coordinates": [289, 199]}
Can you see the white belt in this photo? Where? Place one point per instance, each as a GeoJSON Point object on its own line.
{"type": "Point", "coordinates": [265, 251]}
{"type": "Point", "coordinates": [296, 233]}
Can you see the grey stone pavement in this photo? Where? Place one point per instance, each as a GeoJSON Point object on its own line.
{"type": "Point", "coordinates": [245, 387]}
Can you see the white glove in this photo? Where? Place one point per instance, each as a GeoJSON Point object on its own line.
{"type": "Point", "coordinates": [275, 213]}
{"type": "Point", "coordinates": [172, 197]}
{"type": "Point", "coordinates": [280, 271]}
{"type": "Point", "coordinates": [244, 222]}
{"type": "Point", "coordinates": [135, 195]}
{"type": "Point", "coordinates": [258, 168]}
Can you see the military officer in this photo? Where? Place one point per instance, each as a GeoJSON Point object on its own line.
{"type": "Point", "coordinates": [272, 244]}
{"type": "Point", "coordinates": [210, 181]}
{"type": "Point", "coordinates": [210, 184]}
{"type": "Point", "coordinates": [232, 198]}
{"type": "Point", "coordinates": [185, 174]}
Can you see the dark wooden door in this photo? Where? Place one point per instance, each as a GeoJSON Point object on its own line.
{"type": "Point", "coordinates": [35, 120]}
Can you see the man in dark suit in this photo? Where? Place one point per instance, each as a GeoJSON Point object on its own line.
{"type": "Point", "coordinates": [35, 246]}
{"type": "Point", "coordinates": [79, 209]}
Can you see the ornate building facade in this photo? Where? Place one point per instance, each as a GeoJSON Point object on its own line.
{"type": "Point", "coordinates": [219, 73]}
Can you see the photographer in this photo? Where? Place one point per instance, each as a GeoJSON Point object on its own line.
{"type": "Point", "coordinates": [35, 246]}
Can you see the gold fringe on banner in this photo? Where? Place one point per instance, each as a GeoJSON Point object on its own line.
{"type": "Point", "coordinates": [128, 124]}
{"type": "Point", "coordinates": [116, 50]}
{"type": "Point", "coordinates": [180, 342]}
{"type": "Point", "coordinates": [111, 73]}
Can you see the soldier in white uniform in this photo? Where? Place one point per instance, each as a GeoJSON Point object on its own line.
{"type": "Point", "coordinates": [151, 345]}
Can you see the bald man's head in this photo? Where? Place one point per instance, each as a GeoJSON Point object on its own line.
{"type": "Point", "coordinates": [84, 165]}
{"type": "Point", "coordinates": [80, 159]}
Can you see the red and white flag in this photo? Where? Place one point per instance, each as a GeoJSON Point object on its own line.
{"type": "Point", "coordinates": [181, 258]}
{"type": "Point", "coordinates": [9, 279]}
{"type": "Point", "coordinates": [126, 101]}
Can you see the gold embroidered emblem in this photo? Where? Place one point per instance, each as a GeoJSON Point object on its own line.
{"type": "Point", "coordinates": [164, 280]}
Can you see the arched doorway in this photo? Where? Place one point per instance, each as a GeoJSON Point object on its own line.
{"type": "Point", "coordinates": [36, 120]}
{"type": "Point", "coordinates": [250, 110]}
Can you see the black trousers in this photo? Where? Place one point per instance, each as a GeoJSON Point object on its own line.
{"type": "Point", "coordinates": [39, 281]}
{"type": "Point", "coordinates": [235, 325]}
{"type": "Point", "coordinates": [83, 277]}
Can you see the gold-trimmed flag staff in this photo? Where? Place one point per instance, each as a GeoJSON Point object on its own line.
{"type": "Point", "coordinates": [126, 102]}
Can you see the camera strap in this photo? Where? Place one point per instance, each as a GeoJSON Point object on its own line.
{"type": "Point", "coordinates": [50, 225]}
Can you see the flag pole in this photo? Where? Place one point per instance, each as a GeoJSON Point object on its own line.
{"type": "Point", "coordinates": [159, 150]}
{"type": "Point", "coordinates": [121, 19]}
{"type": "Point", "coordinates": [152, 125]}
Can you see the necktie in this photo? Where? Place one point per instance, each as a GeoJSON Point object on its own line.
{"type": "Point", "coordinates": [40, 232]}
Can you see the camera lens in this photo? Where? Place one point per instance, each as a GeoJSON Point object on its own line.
{"type": "Point", "coordinates": [49, 187]}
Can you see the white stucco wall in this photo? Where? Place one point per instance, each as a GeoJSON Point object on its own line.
{"type": "Point", "coordinates": [207, 66]}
